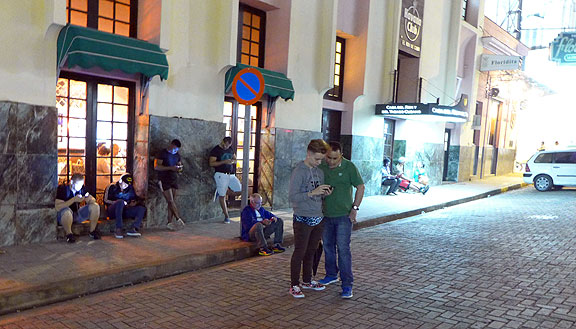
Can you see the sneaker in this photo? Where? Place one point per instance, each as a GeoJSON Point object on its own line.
{"type": "Point", "coordinates": [226, 220]}
{"type": "Point", "coordinates": [314, 285]}
{"type": "Point", "coordinates": [180, 223]}
{"type": "Point", "coordinates": [171, 226]}
{"type": "Point", "coordinates": [296, 292]}
{"type": "Point", "coordinates": [265, 252]}
{"type": "Point", "coordinates": [328, 280]}
{"type": "Point", "coordinates": [118, 234]}
{"type": "Point", "coordinates": [278, 249]}
{"type": "Point", "coordinates": [133, 232]}
{"type": "Point", "coordinates": [70, 238]}
{"type": "Point", "coordinates": [346, 292]}
{"type": "Point", "coordinates": [96, 235]}
{"type": "Point", "coordinates": [425, 189]}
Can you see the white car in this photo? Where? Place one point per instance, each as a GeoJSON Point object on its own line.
{"type": "Point", "coordinates": [551, 169]}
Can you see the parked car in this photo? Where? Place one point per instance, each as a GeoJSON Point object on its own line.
{"type": "Point", "coordinates": [551, 169]}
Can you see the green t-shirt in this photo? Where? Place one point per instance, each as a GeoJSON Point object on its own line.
{"type": "Point", "coordinates": [342, 178]}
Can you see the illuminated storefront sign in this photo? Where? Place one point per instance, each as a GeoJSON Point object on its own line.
{"type": "Point", "coordinates": [428, 112]}
{"type": "Point", "coordinates": [499, 62]}
{"type": "Point", "coordinates": [563, 48]}
{"type": "Point", "coordinates": [411, 26]}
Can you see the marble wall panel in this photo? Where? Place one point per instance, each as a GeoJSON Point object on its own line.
{"type": "Point", "coordinates": [7, 227]}
{"type": "Point", "coordinates": [36, 129]}
{"type": "Point", "coordinates": [367, 154]}
{"type": "Point", "coordinates": [290, 148]}
{"type": "Point", "coordinates": [35, 225]}
{"type": "Point", "coordinates": [8, 179]}
{"type": "Point", "coordinates": [28, 162]}
{"type": "Point", "coordinates": [37, 179]}
{"type": "Point", "coordinates": [432, 156]}
{"type": "Point", "coordinates": [195, 195]}
{"type": "Point", "coordinates": [453, 163]}
{"type": "Point", "coordinates": [8, 127]}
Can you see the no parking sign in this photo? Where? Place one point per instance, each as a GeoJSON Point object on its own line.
{"type": "Point", "coordinates": [248, 86]}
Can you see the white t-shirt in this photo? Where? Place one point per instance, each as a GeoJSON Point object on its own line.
{"type": "Point", "coordinates": [258, 216]}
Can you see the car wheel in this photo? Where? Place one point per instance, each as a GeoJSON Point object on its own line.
{"type": "Point", "coordinates": [543, 183]}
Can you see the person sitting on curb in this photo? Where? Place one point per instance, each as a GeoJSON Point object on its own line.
{"type": "Point", "coordinates": [68, 196]}
{"type": "Point", "coordinates": [258, 224]}
{"type": "Point", "coordinates": [407, 183]}
{"type": "Point", "coordinates": [122, 201]}
{"type": "Point", "coordinates": [389, 182]}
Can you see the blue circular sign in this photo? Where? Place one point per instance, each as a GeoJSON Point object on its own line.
{"type": "Point", "coordinates": [248, 86]}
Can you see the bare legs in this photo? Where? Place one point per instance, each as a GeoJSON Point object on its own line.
{"type": "Point", "coordinates": [170, 195]}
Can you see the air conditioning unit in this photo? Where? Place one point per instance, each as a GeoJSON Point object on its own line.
{"type": "Point", "coordinates": [476, 122]}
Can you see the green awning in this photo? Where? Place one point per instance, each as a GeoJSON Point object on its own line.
{"type": "Point", "coordinates": [275, 83]}
{"type": "Point", "coordinates": [87, 48]}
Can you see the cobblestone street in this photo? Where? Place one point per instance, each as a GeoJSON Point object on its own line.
{"type": "Point", "coordinates": [503, 262]}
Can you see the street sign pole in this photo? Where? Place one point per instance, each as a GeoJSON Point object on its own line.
{"type": "Point", "coordinates": [246, 156]}
{"type": "Point", "coordinates": [247, 88]}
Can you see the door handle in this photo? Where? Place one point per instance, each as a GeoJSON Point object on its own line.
{"type": "Point", "coordinates": [555, 167]}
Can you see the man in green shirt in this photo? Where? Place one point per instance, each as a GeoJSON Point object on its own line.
{"type": "Point", "coordinates": [340, 212]}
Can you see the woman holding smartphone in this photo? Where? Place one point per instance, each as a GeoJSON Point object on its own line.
{"type": "Point", "coordinates": [307, 189]}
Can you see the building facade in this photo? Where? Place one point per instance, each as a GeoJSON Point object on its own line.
{"type": "Point", "coordinates": [338, 60]}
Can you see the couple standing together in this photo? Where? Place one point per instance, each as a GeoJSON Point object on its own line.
{"type": "Point", "coordinates": [324, 208]}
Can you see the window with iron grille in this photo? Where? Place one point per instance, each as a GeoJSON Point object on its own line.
{"type": "Point", "coordinates": [113, 16]}
{"type": "Point", "coordinates": [336, 92]}
{"type": "Point", "coordinates": [251, 36]}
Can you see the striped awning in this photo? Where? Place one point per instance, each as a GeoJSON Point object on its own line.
{"type": "Point", "coordinates": [88, 48]}
{"type": "Point", "coordinates": [276, 84]}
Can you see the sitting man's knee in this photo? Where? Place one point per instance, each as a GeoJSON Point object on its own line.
{"type": "Point", "coordinates": [66, 214]}
{"type": "Point", "coordinates": [94, 208]}
{"type": "Point", "coordinates": [279, 221]}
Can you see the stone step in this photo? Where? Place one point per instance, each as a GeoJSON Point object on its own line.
{"type": "Point", "coordinates": [105, 225]}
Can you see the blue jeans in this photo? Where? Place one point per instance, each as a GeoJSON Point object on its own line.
{"type": "Point", "coordinates": [336, 239]}
{"type": "Point", "coordinates": [118, 210]}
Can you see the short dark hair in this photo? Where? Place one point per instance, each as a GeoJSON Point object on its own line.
{"type": "Point", "coordinates": [176, 143]}
{"type": "Point", "coordinates": [386, 161]}
{"type": "Point", "coordinates": [335, 146]}
{"type": "Point", "coordinates": [227, 139]}
{"type": "Point", "coordinates": [318, 146]}
{"type": "Point", "coordinates": [77, 177]}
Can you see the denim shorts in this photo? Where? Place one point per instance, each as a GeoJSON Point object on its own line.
{"type": "Point", "coordinates": [78, 217]}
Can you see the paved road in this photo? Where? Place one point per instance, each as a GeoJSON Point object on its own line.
{"type": "Point", "coordinates": [503, 262]}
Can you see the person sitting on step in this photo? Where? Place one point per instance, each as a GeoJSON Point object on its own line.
{"type": "Point", "coordinates": [258, 224]}
{"type": "Point", "coordinates": [68, 198]}
{"type": "Point", "coordinates": [122, 202]}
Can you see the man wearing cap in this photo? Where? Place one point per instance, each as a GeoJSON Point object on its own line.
{"type": "Point", "coordinates": [122, 201]}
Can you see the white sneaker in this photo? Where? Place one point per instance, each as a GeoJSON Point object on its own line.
{"type": "Point", "coordinates": [296, 292]}
{"type": "Point", "coordinates": [226, 220]}
{"type": "Point", "coordinates": [180, 223]}
{"type": "Point", "coordinates": [171, 226]}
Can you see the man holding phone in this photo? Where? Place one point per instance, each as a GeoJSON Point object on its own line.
{"type": "Point", "coordinates": [340, 212]}
{"type": "Point", "coordinates": [68, 198]}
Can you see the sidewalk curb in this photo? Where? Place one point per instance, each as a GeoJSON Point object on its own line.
{"type": "Point", "coordinates": [415, 212]}
{"type": "Point", "coordinates": [41, 295]}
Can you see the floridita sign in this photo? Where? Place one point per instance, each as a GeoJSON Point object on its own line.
{"type": "Point", "coordinates": [563, 48]}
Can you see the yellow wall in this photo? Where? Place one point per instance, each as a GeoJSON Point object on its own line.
{"type": "Point", "coordinates": [28, 55]}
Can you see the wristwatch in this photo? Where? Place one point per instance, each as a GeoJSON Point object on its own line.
{"type": "Point", "coordinates": [355, 207]}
